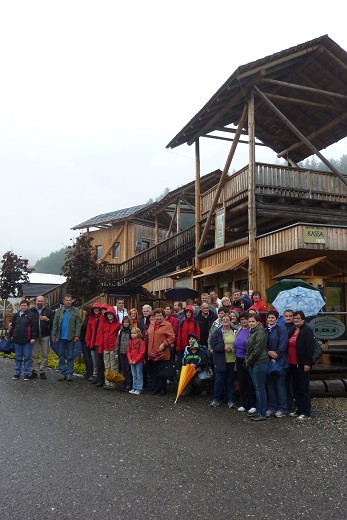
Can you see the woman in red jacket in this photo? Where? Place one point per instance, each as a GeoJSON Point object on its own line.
{"type": "Point", "coordinates": [110, 329]}
{"type": "Point", "coordinates": [188, 325]}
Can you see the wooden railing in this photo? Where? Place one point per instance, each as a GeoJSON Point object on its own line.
{"type": "Point", "coordinates": [55, 296]}
{"type": "Point", "coordinates": [279, 181]}
{"type": "Point", "coordinates": [153, 262]}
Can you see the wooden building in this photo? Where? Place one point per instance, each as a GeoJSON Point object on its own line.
{"type": "Point", "coordinates": [266, 221]}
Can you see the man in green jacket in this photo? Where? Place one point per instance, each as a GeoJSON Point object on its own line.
{"type": "Point", "coordinates": [66, 330]}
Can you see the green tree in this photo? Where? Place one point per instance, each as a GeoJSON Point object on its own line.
{"type": "Point", "coordinates": [81, 269]}
{"type": "Point", "coordinates": [14, 272]}
{"type": "Point", "coordinates": [52, 263]}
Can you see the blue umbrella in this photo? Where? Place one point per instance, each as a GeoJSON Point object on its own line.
{"type": "Point", "coordinates": [299, 299]}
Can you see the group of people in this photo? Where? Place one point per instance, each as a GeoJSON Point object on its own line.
{"type": "Point", "coordinates": [228, 340]}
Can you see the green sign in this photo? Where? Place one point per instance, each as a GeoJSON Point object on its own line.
{"type": "Point", "coordinates": [315, 236]}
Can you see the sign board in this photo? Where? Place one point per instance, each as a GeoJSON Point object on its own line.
{"type": "Point", "coordinates": [219, 228]}
{"type": "Point", "coordinates": [315, 236]}
{"type": "Point", "coordinates": [327, 327]}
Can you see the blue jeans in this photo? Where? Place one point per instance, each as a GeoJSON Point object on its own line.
{"type": "Point", "coordinates": [65, 353]}
{"type": "Point", "coordinates": [22, 352]}
{"type": "Point", "coordinates": [276, 392]}
{"type": "Point", "coordinates": [225, 379]}
{"type": "Point", "coordinates": [258, 375]}
{"type": "Point", "coordinates": [137, 373]}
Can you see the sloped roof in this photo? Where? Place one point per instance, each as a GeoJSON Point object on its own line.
{"type": "Point", "coordinates": [107, 218]}
{"type": "Point", "coordinates": [230, 265]}
{"type": "Point", "coordinates": [46, 278]}
{"type": "Point", "coordinates": [325, 267]}
{"type": "Point", "coordinates": [317, 64]}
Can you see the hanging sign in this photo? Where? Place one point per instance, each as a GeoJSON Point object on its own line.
{"type": "Point", "coordinates": [327, 327]}
{"type": "Point", "coordinates": [315, 236]}
{"type": "Point", "coordinates": [219, 228]}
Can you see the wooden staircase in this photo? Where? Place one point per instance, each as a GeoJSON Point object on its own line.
{"type": "Point", "coordinates": [156, 261]}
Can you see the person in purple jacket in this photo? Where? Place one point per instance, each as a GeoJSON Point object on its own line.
{"type": "Point", "coordinates": [247, 393]}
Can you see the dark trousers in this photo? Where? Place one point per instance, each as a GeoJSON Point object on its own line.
{"type": "Point", "coordinates": [87, 356]}
{"type": "Point", "coordinates": [158, 383]}
{"type": "Point", "coordinates": [289, 390]}
{"type": "Point", "coordinates": [247, 393]}
{"type": "Point", "coordinates": [301, 389]}
{"type": "Point", "coordinates": [125, 369]}
{"type": "Point", "coordinates": [100, 367]}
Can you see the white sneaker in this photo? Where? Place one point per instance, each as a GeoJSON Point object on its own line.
{"type": "Point", "coordinates": [241, 409]}
{"type": "Point", "coordinates": [280, 414]}
{"type": "Point", "coordinates": [131, 391]}
{"type": "Point", "coordinates": [303, 417]}
{"type": "Point", "coordinates": [252, 410]}
{"type": "Point", "coordinates": [136, 392]}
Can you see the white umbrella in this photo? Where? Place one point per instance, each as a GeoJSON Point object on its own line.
{"type": "Point", "coordinates": [299, 299]}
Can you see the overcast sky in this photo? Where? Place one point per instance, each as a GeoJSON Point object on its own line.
{"type": "Point", "coordinates": [91, 92]}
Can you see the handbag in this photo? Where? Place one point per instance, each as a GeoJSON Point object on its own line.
{"type": "Point", "coordinates": [317, 352]}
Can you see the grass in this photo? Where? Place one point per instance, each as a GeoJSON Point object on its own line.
{"type": "Point", "coordinates": [79, 366]}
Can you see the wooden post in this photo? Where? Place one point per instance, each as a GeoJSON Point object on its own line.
{"type": "Point", "coordinates": [197, 203]}
{"type": "Point", "coordinates": [156, 240]}
{"type": "Point", "coordinates": [178, 216]}
{"type": "Point", "coordinates": [125, 241]}
{"type": "Point", "coordinates": [252, 229]}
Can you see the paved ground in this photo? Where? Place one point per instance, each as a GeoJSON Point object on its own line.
{"type": "Point", "coordinates": [70, 450]}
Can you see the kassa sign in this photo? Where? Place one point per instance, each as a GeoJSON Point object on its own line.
{"type": "Point", "coordinates": [327, 327]}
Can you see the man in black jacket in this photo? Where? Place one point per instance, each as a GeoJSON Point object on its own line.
{"type": "Point", "coordinates": [23, 332]}
{"type": "Point", "coordinates": [44, 317]}
{"type": "Point", "coordinates": [205, 318]}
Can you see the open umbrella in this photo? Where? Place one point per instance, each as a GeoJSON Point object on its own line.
{"type": "Point", "coordinates": [299, 299]}
{"type": "Point", "coordinates": [187, 373]}
{"type": "Point", "coordinates": [180, 293]}
{"type": "Point", "coordinates": [285, 284]}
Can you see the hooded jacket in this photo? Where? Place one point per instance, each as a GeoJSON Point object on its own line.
{"type": "Point", "coordinates": [110, 331]}
{"type": "Point", "coordinates": [92, 326]}
{"type": "Point", "coordinates": [187, 326]}
{"type": "Point", "coordinates": [99, 338]}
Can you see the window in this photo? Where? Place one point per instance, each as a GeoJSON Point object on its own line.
{"type": "Point", "coordinates": [145, 244]}
{"type": "Point", "coordinates": [116, 250]}
{"type": "Point", "coordinates": [98, 252]}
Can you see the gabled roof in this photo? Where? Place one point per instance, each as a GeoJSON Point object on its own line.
{"type": "Point", "coordinates": [318, 64]}
{"type": "Point", "coordinates": [149, 211]}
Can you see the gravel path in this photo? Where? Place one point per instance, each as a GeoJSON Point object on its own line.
{"type": "Point", "coordinates": [70, 450]}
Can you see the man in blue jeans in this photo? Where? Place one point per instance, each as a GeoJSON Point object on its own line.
{"type": "Point", "coordinates": [66, 331]}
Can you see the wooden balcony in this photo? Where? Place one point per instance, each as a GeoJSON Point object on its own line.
{"type": "Point", "coordinates": [279, 182]}
{"type": "Point", "coordinates": [151, 263]}
{"type": "Point", "coordinates": [283, 197]}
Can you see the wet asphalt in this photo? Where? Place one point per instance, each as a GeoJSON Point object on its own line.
{"type": "Point", "coordinates": [70, 450]}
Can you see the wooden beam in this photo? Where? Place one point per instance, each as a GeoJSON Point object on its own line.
{"type": "Point", "coordinates": [172, 222]}
{"type": "Point", "coordinates": [223, 176]}
{"type": "Point", "coordinates": [197, 203]}
{"type": "Point", "coordinates": [252, 224]}
{"type": "Point", "coordinates": [231, 140]}
{"type": "Point", "coordinates": [306, 89]}
{"type": "Point", "coordinates": [298, 101]}
{"type": "Point", "coordinates": [188, 204]}
{"type": "Point", "coordinates": [112, 244]}
{"type": "Point", "coordinates": [156, 231]}
{"type": "Point", "coordinates": [297, 132]}
{"type": "Point", "coordinates": [178, 219]}
{"type": "Point", "coordinates": [272, 64]}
